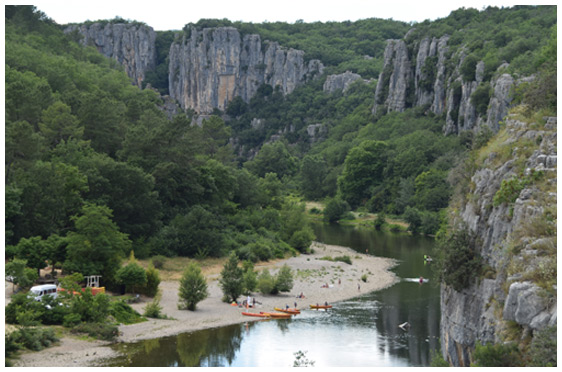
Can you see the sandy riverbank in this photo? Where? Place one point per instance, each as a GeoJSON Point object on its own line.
{"type": "Point", "coordinates": [310, 273]}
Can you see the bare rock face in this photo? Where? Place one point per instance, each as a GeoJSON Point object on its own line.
{"type": "Point", "coordinates": [132, 45]}
{"type": "Point", "coordinates": [340, 82]}
{"type": "Point", "coordinates": [210, 67]}
{"type": "Point", "coordinates": [415, 74]}
{"type": "Point", "coordinates": [481, 311]}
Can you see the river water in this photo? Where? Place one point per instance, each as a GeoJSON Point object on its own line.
{"type": "Point", "coordinates": [361, 332]}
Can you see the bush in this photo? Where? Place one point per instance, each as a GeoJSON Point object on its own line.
{"type": "Point", "coordinates": [231, 280]}
{"type": "Point", "coordinates": [345, 259]}
{"type": "Point", "coordinates": [154, 310]}
{"type": "Point", "coordinates": [132, 275]}
{"type": "Point", "coordinates": [101, 331]}
{"type": "Point", "coordinates": [542, 351]}
{"type": "Point", "coordinates": [364, 278]}
{"type": "Point", "coordinates": [498, 355]}
{"type": "Point", "coordinates": [152, 281]}
{"type": "Point", "coordinates": [158, 261]}
{"type": "Point", "coordinates": [457, 259]}
{"type": "Point", "coordinates": [124, 313]}
{"type": "Point", "coordinates": [193, 287]}
{"type": "Point", "coordinates": [32, 338]}
{"type": "Point", "coordinates": [284, 279]}
{"type": "Point", "coordinates": [71, 320]}
{"type": "Point", "coordinates": [266, 282]}
{"type": "Point", "coordinates": [302, 239]}
{"type": "Point", "coordinates": [335, 209]}
{"type": "Point", "coordinates": [379, 221]}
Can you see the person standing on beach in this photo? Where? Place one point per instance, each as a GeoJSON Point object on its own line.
{"type": "Point", "coordinates": [359, 287]}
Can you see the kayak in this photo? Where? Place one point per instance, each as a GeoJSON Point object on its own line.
{"type": "Point", "coordinates": [262, 315]}
{"type": "Point", "coordinates": [320, 306]}
{"type": "Point", "coordinates": [289, 311]}
{"type": "Point", "coordinates": [278, 315]}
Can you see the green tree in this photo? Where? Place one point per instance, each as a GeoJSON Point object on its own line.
{"type": "Point", "coordinates": [193, 287]}
{"type": "Point", "coordinates": [152, 281]}
{"type": "Point", "coordinates": [266, 282]}
{"type": "Point", "coordinates": [413, 217]}
{"type": "Point", "coordinates": [132, 275]}
{"type": "Point", "coordinates": [432, 190]}
{"type": "Point", "coordinates": [284, 279]}
{"type": "Point", "coordinates": [313, 172]}
{"type": "Point", "coordinates": [51, 193]}
{"type": "Point", "coordinates": [249, 278]}
{"type": "Point", "coordinates": [363, 171]}
{"type": "Point", "coordinates": [34, 251]}
{"type": "Point", "coordinates": [23, 276]}
{"type": "Point", "coordinates": [231, 279]}
{"type": "Point", "coordinates": [273, 158]}
{"type": "Point", "coordinates": [335, 210]}
{"type": "Point", "coordinates": [57, 124]}
{"type": "Point", "coordinates": [96, 247]}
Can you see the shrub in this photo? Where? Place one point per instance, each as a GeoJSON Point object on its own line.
{"type": "Point", "coordinates": [124, 313]}
{"type": "Point", "coordinates": [158, 261]}
{"type": "Point", "coordinates": [457, 260]}
{"type": "Point", "coordinates": [152, 281]}
{"type": "Point", "coordinates": [302, 239]}
{"type": "Point", "coordinates": [231, 280]}
{"type": "Point", "coordinates": [154, 310]}
{"type": "Point", "coordinates": [497, 355]}
{"type": "Point", "coordinates": [71, 320]}
{"type": "Point", "coordinates": [193, 287]}
{"type": "Point", "coordinates": [284, 279]}
{"type": "Point", "coordinates": [132, 275]}
{"type": "Point", "coordinates": [542, 351]}
{"type": "Point", "coordinates": [379, 221]}
{"type": "Point", "coordinates": [266, 283]}
{"type": "Point", "coordinates": [335, 209]}
{"type": "Point", "coordinates": [102, 331]}
{"type": "Point", "coordinates": [364, 278]}
{"type": "Point", "coordinates": [32, 338]}
{"type": "Point", "coordinates": [249, 278]}
{"type": "Point", "coordinates": [345, 259]}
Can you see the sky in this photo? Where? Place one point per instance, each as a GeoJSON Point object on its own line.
{"type": "Point", "coordinates": [175, 14]}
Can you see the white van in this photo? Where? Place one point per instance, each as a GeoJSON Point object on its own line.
{"type": "Point", "coordinates": [44, 290]}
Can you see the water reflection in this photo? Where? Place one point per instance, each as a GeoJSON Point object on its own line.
{"type": "Point", "coordinates": [361, 332]}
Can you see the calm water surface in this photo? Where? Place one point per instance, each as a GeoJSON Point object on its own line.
{"type": "Point", "coordinates": [362, 332]}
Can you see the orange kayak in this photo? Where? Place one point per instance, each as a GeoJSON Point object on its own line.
{"type": "Point", "coordinates": [278, 315]}
{"type": "Point", "coordinates": [262, 315]}
{"type": "Point", "coordinates": [288, 311]}
{"type": "Point", "coordinates": [320, 306]}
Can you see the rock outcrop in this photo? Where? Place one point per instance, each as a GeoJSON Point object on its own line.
{"type": "Point", "coordinates": [420, 73]}
{"type": "Point", "coordinates": [132, 45]}
{"type": "Point", "coordinates": [340, 82]}
{"type": "Point", "coordinates": [210, 67]}
{"type": "Point", "coordinates": [514, 241]}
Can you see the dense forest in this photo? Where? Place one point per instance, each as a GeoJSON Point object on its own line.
{"type": "Point", "coordinates": [94, 168]}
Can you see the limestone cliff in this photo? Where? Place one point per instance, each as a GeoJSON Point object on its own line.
{"type": "Point", "coordinates": [132, 45]}
{"type": "Point", "coordinates": [341, 82]}
{"type": "Point", "coordinates": [210, 67]}
{"type": "Point", "coordinates": [511, 209]}
{"type": "Point", "coordinates": [421, 73]}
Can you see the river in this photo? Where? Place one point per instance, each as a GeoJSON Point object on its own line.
{"type": "Point", "coordinates": [362, 332]}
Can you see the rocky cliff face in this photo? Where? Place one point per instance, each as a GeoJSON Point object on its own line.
{"type": "Point", "coordinates": [341, 82]}
{"type": "Point", "coordinates": [517, 242]}
{"type": "Point", "coordinates": [132, 45]}
{"type": "Point", "coordinates": [210, 67]}
{"type": "Point", "coordinates": [420, 73]}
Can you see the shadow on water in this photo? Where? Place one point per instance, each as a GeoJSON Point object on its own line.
{"type": "Point", "coordinates": [360, 332]}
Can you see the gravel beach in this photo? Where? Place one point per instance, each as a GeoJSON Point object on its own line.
{"type": "Point", "coordinates": [311, 272]}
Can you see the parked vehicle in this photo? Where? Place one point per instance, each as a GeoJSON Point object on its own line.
{"type": "Point", "coordinates": [44, 290]}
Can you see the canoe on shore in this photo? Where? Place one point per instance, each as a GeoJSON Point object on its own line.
{"type": "Point", "coordinates": [320, 306]}
{"type": "Point", "coordinates": [288, 311]}
{"type": "Point", "coordinates": [262, 315]}
{"type": "Point", "coordinates": [278, 315]}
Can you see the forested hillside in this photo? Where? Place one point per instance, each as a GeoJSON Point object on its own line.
{"type": "Point", "coordinates": [94, 168]}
